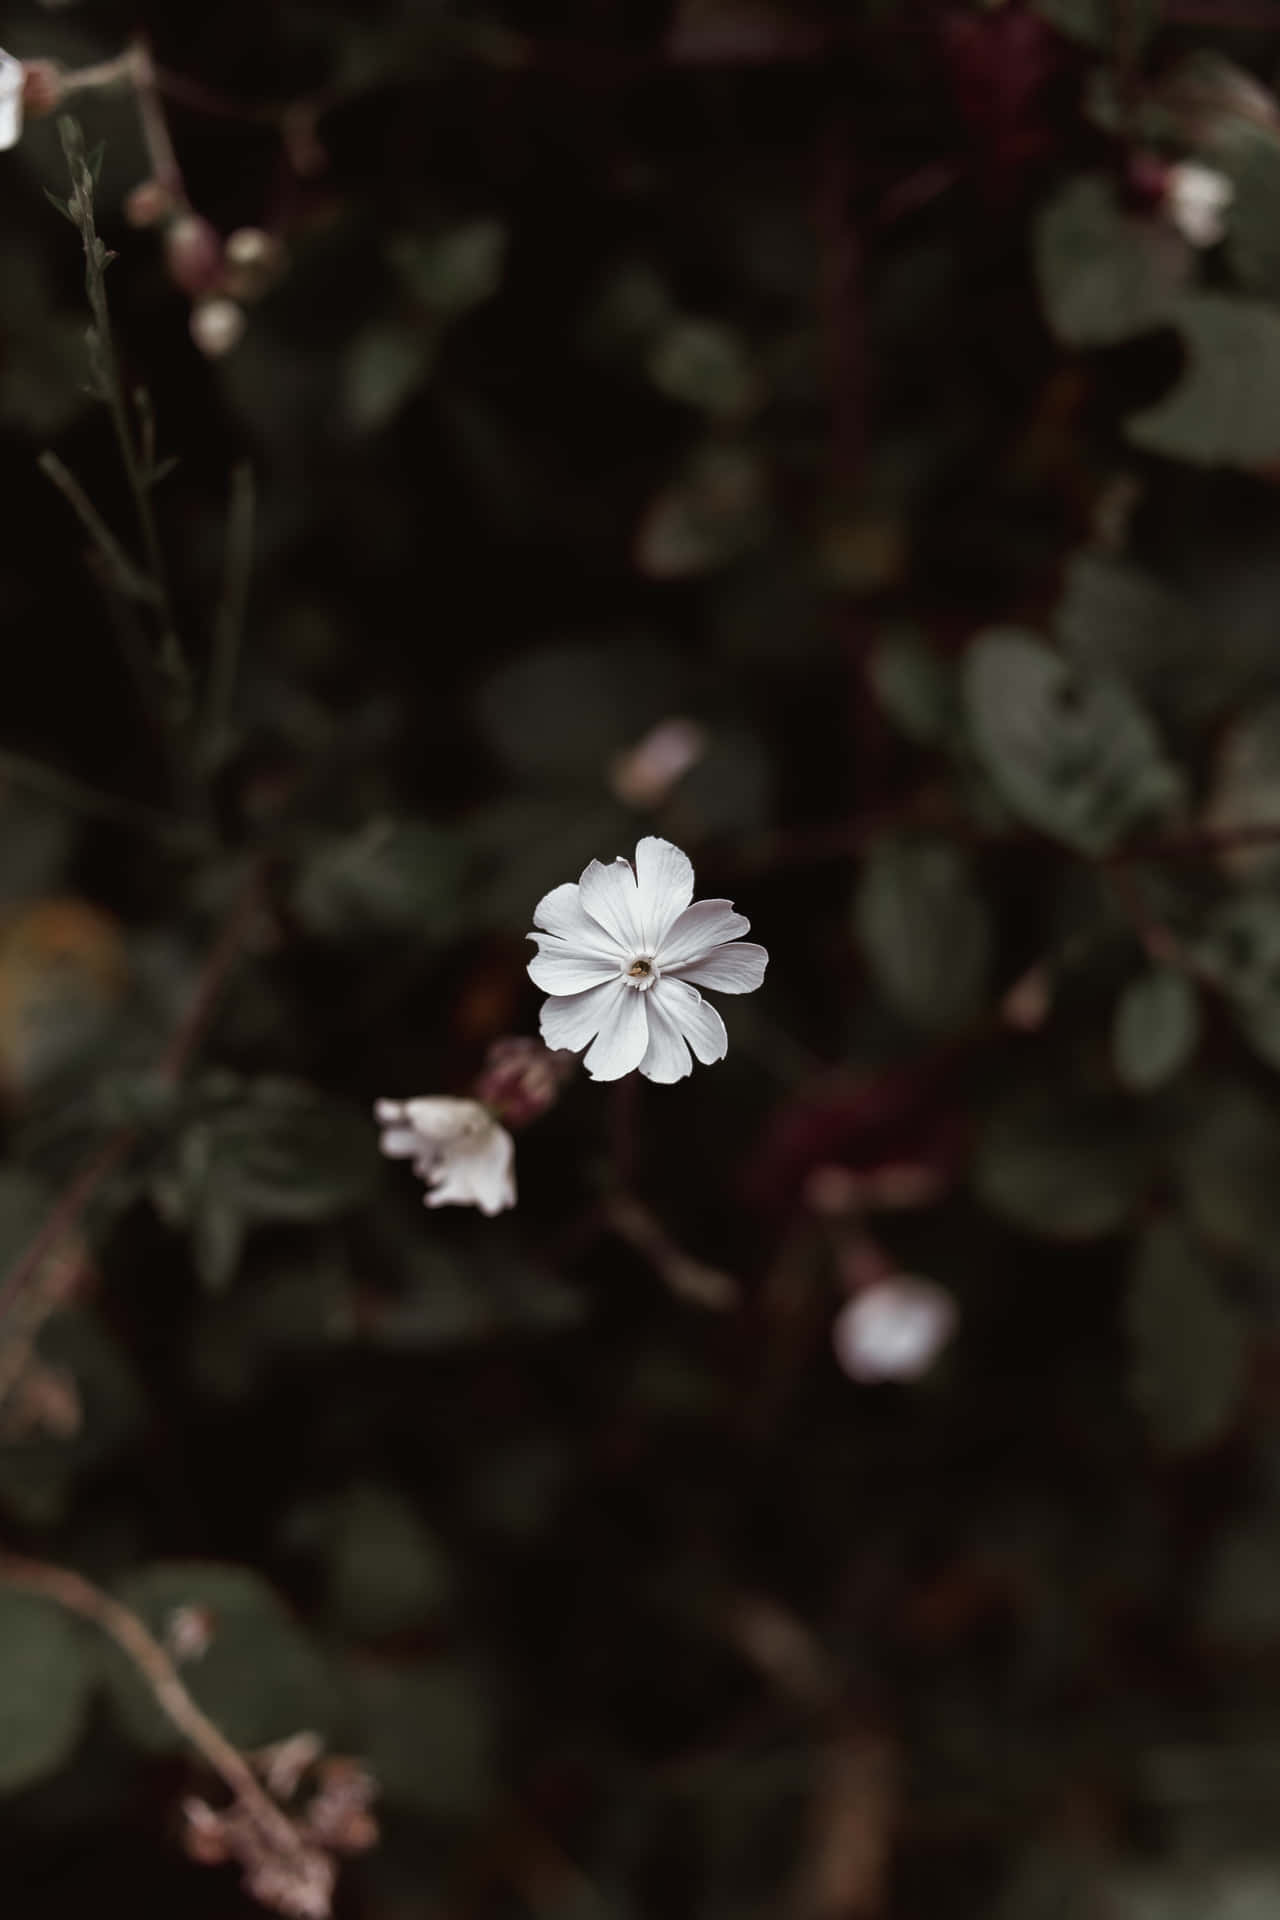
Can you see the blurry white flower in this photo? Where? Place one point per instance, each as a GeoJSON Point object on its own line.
{"type": "Point", "coordinates": [13, 83]}
{"type": "Point", "coordinates": [644, 775]}
{"type": "Point", "coordinates": [1196, 199]}
{"type": "Point", "coordinates": [623, 952]}
{"type": "Point", "coordinates": [894, 1329]}
{"type": "Point", "coordinates": [217, 325]}
{"type": "Point", "coordinates": [456, 1146]}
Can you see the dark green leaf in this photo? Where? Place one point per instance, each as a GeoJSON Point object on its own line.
{"type": "Point", "coordinates": [1225, 408]}
{"type": "Point", "coordinates": [1104, 274]}
{"type": "Point", "coordinates": [1188, 1341]}
{"type": "Point", "coordinates": [1061, 1167]}
{"type": "Point", "coordinates": [46, 1678]}
{"type": "Point", "coordinates": [426, 1732]}
{"type": "Point", "coordinates": [924, 930]}
{"type": "Point", "coordinates": [1157, 1026]}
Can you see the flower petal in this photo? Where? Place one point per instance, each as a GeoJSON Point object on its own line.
{"type": "Point", "coordinates": [623, 1039]}
{"type": "Point", "coordinates": [576, 1018]}
{"type": "Point", "coordinates": [609, 896]}
{"type": "Point", "coordinates": [706, 924]}
{"type": "Point", "coordinates": [664, 882]}
{"type": "Point", "coordinates": [561, 912]}
{"type": "Point", "coordinates": [559, 969]}
{"type": "Point", "coordinates": [666, 1057]}
{"type": "Point", "coordinates": [737, 967]}
{"type": "Point", "coordinates": [699, 1022]}
{"type": "Point", "coordinates": [479, 1176]}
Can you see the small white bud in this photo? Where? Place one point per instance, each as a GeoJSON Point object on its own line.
{"type": "Point", "coordinates": [893, 1329]}
{"type": "Point", "coordinates": [217, 326]}
{"type": "Point", "coordinates": [13, 86]}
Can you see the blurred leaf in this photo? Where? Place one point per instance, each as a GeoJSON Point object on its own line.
{"type": "Point", "coordinates": [1225, 408]}
{"type": "Point", "coordinates": [1063, 1168]}
{"type": "Point", "coordinates": [426, 1732]}
{"type": "Point", "coordinates": [1157, 1027]}
{"type": "Point", "coordinates": [401, 875]}
{"type": "Point", "coordinates": [263, 1150]}
{"type": "Point", "coordinates": [1104, 274]}
{"type": "Point", "coordinates": [1074, 755]}
{"type": "Point", "coordinates": [1113, 618]}
{"type": "Point", "coordinates": [386, 1572]}
{"type": "Point", "coordinates": [923, 927]}
{"type": "Point", "coordinates": [1246, 789]}
{"type": "Point", "coordinates": [1096, 23]}
{"type": "Point", "coordinates": [454, 270]}
{"type": "Point", "coordinates": [706, 365]}
{"type": "Point", "coordinates": [386, 364]}
{"type": "Point", "coordinates": [1249, 155]}
{"type": "Point", "coordinates": [1240, 1604]}
{"type": "Point", "coordinates": [914, 686]}
{"type": "Point", "coordinates": [563, 712]}
{"type": "Point", "coordinates": [1228, 1160]}
{"type": "Point", "coordinates": [1240, 949]}
{"type": "Point", "coordinates": [46, 1678]}
{"type": "Point", "coordinates": [260, 1678]}
{"type": "Point", "coordinates": [1188, 1341]}
{"type": "Point", "coordinates": [713, 513]}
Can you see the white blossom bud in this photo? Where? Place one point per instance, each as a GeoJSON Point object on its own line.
{"type": "Point", "coordinates": [13, 86]}
{"type": "Point", "coordinates": [893, 1329]}
{"type": "Point", "coordinates": [217, 326]}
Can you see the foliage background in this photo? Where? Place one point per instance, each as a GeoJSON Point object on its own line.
{"type": "Point", "coordinates": [834, 377]}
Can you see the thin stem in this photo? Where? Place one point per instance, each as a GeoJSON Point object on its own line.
{"type": "Point", "coordinates": [228, 631]}
{"type": "Point", "coordinates": [139, 586]}
{"type": "Point", "coordinates": [77, 1595]}
{"type": "Point", "coordinates": [165, 169]}
{"type": "Point", "coordinates": [115, 1150]}
{"type": "Point", "coordinates": [80, 797]}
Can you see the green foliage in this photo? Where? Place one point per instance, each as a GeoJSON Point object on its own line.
{"type": "Point", "coordinates": [400, 875]}
{"type": "Point", "coordinates": [1066, 1168]}
{"type": "Point", "coordinates": [1225, 408]}
{"type": "Point", "coordinates": [46, 1678]}
{"type": "Point", "coordinates": [427, 1730]}
{"type": "Point", "coordinates": [385, 1572]}
{"type": "Point", "coordinates": [913, 686]}
{"type": "Point", "coordinates": [1104, 275]}
{"type": "Point", "coordinates": [1072, 754]}
{"type": "Point", "coordinates": [260, 1678]}
{"type": "Point", "coordinates": [1157, 1026]}
{"type": "Point", "coordinates": [1188, 1341]}
{"type": "Point", "coordinates": [924, 930]}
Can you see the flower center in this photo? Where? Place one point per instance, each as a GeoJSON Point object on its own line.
{"type": "Point", "coordinates": [641, 973]}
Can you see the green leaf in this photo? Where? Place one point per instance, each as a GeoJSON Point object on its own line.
{"type": "Point", "coordinates": [1228, 1162]}
{"type": "Point", "coordinates": [259, 1678]}
{"type": "Point", "coordinates": [1249, 155]}
{"type": "Point", "coordinates": [1157, 1027]}
{"type": "Point", "coordinates": [386, 1572]}
{"type": "Point", "coordinates": [47, 1675]}
{"type": "Point", "coordinates": [1105, 275]}
{"type": "Point", "coordinates": [1073, 755]}
{"type": "Point", "coordinates": [1241, 1601]}
{"type": "Point", "coordinates": [453, 270]}
{"type": "Point", "coordinates": [1246, 789]}
{"type": "Point", "coordinates": [1240, 949]}
{"type": "Point", "coordinates": [426, 1732]}
{"type": "Point", "coordinates": [1061, 1167]}
{"type": "Point", "coordinates": [392, 875]}
{"type": "Point", "coordinates": [563, 712]}
{"type": "Point", "coordinates": [1099, 23]}
{"type": "Point", "coordinates": [1188, 1342]}
{"type": "Point", "coordinates": [264, 1150]}
{"type": "Point", "coordinates": [1225, 409]}
{"type": "Point", "coordinates": [386, 364]}
{"type": "Point", "coordinates": [1114, 618]}
{"type": "Point", "coordinates": [712, 513]}
{"type": "Point", "coordinates": [915, 688]}
{"type": "Point", "coordinates": [924, 930]}
{"type": "Point", "coordinates": [707, 366]}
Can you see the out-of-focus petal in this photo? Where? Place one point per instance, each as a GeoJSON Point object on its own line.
{"type": "Point", "coordinates": [13, 81]}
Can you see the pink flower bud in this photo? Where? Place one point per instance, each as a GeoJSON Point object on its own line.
{"type": "Point", "coordinates": [42, 89]}
{"type": "Point", "coordinates": [147, 204]}
{"type": "Point", "coordinates": [193, 253]}
{"type": "Point", "coordinates": [217, 326]}
{"type": "Point", "coordinates": [521, 1079]}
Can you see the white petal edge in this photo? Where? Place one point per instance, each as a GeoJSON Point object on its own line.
{"type": "Point", "coordinates": [694, 1017]}
{"type": "Point", "coordinates": [562, 913]}
{"type": "Point", "coordinates": [623, 1039]}
{"type": "Point", "coordinates": [664, 882]}
{"type": "Point", "coordinates": [575, 1019]}
{"type": "Point", "coordinates": [737, 967]}
{"type": "Point", "coordinates": [561, 971]}
{"type": "Point", "coordinates": [609, 896]}
{"type": "Point", "coordinates": [706, 924]}
{"type": "Point", "coordinates": [666, 1057]}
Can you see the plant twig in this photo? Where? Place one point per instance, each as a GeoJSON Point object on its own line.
{"type": "Point", "coordinates": [125, 575]}
{"type": "Point", "coordinates": [116, 1149]}
{"type": "Point", "coordinates": [80, 797]}
{"type": "Point", "coordinates": [77, 1595]}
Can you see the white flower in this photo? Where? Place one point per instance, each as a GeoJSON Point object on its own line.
{"type": "Point", "coordinates": [1196, 199]}
{"type": "Point", "coordinates": [893, 1329]}
{"type": "Point", "coordinates": [456, 1146]}
{"type": "Point", "coordinates": [623, 952]}
{"type": "Point", "coordinates": [13, 82]}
